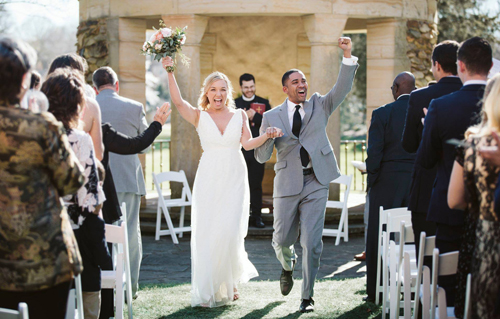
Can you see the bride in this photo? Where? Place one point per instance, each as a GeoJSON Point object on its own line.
{"type": "Point", "coordinates": [221, 198]}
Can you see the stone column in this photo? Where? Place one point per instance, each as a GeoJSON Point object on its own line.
{"type": "Point", "coordinates": [386, 48]}
{"type": "Point", "coordinates": [323, 31]}
{"type": "Point", "coordinates": [185, 150]}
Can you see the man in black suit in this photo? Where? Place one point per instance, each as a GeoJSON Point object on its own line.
{"type": "Point", "coordinates": [449, 117]}
{"type": "Point", "coordinates": [389, 167]}
{"type": "Point", "coordinates": [444, 69]}
{"type": "Point", "coordinates": [255, 169]}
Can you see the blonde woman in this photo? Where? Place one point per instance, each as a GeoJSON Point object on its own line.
{"type": "Point", "coordinates": [472, 188]}
{"type": "Point", "coordinates": [221, 197]}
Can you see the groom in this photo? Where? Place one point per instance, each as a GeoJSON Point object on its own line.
{"type": "Point", "coordinates": [304, 168]}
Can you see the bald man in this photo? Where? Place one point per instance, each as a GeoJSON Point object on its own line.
{"type": "Point", "coordinates": [389, 167]}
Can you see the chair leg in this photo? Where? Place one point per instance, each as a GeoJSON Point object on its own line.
{"type": "Point", "coordinates": [158, 222]}
{"type": "Point", "coordinates": [341, 224]}
{"type": "Point", "coordinates": [377, 290]}
{"type": "Point", "coordinates": [170, 225]}
{"type": "Point", "coordinates": [181, 221]}
{"type": "Point", "coordinates": [119, 296]}
{"type": "Point", "coordinates": [346, 225]}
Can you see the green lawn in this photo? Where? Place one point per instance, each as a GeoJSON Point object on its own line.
{"type": "Point", "coordinates": [260, 299]}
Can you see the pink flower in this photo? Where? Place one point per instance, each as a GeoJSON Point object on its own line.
{"type": "Point", "coordinates": [183, 39]}
{"type": "Point", "coordinates": [158, 36]}
{"type": "Point", "coordinates": [146, 46]}
{"type": "Point", "coordinates": [166, 32]}
{"type": "Point", "coordinates": [158, 46]}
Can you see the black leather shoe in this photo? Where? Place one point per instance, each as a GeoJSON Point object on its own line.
{"type": "Point", "coordinates": [286, 280]}
{"type": "Point", "coordinates": [259, 223]}
{"type": "Point", "coordinates": [307, 305]}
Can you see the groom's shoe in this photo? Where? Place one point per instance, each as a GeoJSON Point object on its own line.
{"type": "Point", "coordinates": [259, 223]}
{"type": "Point", "coordinates": [307, 305]}
{"type": "Point", "coordinates": [286, 280]}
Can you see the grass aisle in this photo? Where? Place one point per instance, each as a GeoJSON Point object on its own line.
{"type": "Point", "coordinates": [259, 299]}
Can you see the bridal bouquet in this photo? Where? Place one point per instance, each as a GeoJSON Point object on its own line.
{"type": "Point", "coordinates": [166, 42]}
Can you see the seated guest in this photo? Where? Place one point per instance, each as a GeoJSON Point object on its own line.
{"type": "Point", "coordinates": [39, 255]}
{"type": "Point", "coordinates": [472, 188]}
{"type": "Point", "coordinates": [449, 117]}
{"type": "Point", "coordinates": [91, 115]}
{"type": "Point", "coordinates": [65, 90]}
{"type": "Point", "coordinates": [389, 167]}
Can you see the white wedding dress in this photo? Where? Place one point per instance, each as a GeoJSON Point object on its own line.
{"type": "Point", "coordinates": [219, 218]}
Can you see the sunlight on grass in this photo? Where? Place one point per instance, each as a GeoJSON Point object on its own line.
{"type": "Point", "coordinates": [259, 299]}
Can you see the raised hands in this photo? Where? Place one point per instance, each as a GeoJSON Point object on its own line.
{"type": "Point", "coordinates": [162, 113]}
{"type": "Point", "coordinates": [346, 45]}
{"type": "Point", "coordinates": [167, 61]}
{"type": "Point", "coordinates": [273, 132]}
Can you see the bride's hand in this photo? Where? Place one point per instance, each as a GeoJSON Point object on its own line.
{"type": "Point", "coordinates": [273, 132]}
{"type": "Point", "coordinates": [167, 61]}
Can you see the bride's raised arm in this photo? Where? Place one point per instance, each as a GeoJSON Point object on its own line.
{"type": "Point", "coordinates": [187, 111]}
{"type": "Point", "coordinates": [248, 142]}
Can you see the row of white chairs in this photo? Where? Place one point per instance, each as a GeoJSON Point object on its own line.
{"type": "Point", "coordinates": [396, 263]}
{"type": "Point", "coordinates": [165, 203]}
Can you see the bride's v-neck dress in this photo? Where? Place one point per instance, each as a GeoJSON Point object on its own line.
{"type": "Point", "coordinates": [219, 218]}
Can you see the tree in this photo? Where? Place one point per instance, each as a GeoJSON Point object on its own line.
{"type": "Point", "coordinates": [463, 19]}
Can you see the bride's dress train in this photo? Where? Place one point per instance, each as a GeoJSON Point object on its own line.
{"type": "Point", "coordinates": [219, 218]}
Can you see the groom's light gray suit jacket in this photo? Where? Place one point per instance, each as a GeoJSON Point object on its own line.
{"type": "Point", "coordinates": [288, 167]}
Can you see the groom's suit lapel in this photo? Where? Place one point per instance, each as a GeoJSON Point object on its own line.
{"type": "Point", "coordinates": [308, 108]}
{"type": "Point", "coordinates": [283, 114]}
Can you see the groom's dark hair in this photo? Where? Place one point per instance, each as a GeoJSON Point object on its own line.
{"type": "Point", "coordinates": [286, 76]}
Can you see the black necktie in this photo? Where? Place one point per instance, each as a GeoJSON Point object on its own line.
{"type": "Point", "coordinates": [297, 124]}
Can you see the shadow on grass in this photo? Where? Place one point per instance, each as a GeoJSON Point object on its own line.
{"type": "Point", "coordinates": [198, 312]}
{"type": "Point", "coordinates": [364, 311]}
{"type": "Point", "coordinates": [262, 312]}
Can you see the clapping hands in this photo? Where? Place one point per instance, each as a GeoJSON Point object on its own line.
{"type": "Point", "coordinates": [273, 132]}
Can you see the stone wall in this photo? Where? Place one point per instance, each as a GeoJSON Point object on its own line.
{"type": "Point", "coordinates": [93, 44]}
{"type": "Point", "coordinates": [421, 37]}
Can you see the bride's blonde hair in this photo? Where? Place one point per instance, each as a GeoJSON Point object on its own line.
{"type": "Point", "coordinates": [491, 110]}
{"type": "Point", "coordinates": [203, 101]}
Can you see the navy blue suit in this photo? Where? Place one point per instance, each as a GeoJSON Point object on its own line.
{"type": "Point", "coordinates": [422, 178]}
{"type": "Point", "coordinates": [448, 117]}
{"type": "Point", "coordinates": [389, 169]}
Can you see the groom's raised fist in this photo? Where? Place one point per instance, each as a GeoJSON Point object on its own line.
{"type": "Point", "coordinates": [346, 45]}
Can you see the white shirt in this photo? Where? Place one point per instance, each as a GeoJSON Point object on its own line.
{"type": "Point", "coordinates": [475, 82]}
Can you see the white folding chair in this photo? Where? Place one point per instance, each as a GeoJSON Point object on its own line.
{"type": "Point", "coordinates": [467, 297]}
{"type": "Point", "coordinates": [381, 247]}
{"type": "Point", "coordinates": [442, 265]}
{"type": "Point", "coordinates": [164, 204]}
{"type": "Point", "coordinates": [74, 307]}
{"type": "Point", "coordinates": [391, 258]}
{"type": "Point", "coordinates": [343, 230]}
{"type": "Point", "coordinates": [427, 245]}
{"type": "Point", "coordinates": [407, 274]}
{"type": "Point", "coordinates": [119, 278]}
{"type": "Point", "coordinates": [20, 313]}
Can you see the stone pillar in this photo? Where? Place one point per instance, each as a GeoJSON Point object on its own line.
{"type": "Point", "coordinates": [185, 150]}
{"type": "Point", "coordinates": [323, 31]}
{"type": "Point", "coordinates": [386, 48]}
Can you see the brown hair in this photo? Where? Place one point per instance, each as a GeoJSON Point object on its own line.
{"type": "Point", "coordinates": [70, 60]}
{"type": "Point", "coordinates": [65, 90]}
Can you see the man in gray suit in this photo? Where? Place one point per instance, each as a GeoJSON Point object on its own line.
{"type": "Point", "coordinates": [304, 168]}
{"type": "Point", "coordinates": [127, 117]}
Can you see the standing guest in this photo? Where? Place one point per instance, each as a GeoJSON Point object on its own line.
{"type": "Point", "coordinates": [449, 117]}
{"type": "Point", "coordinates": [254, 106]}
{"type": "Point", "coordinates": [444, 69]}
{"type": "Point", "coordinates": [37, 168]}
{"type": "Point", "coordinates": [127, 117]}
{"type": "Point", "coordinates": [90, 115]}
{"type": "Point", "coordinates": [389, 168]}
{"type": "Point", "coordinates": [36, 80]}
{"type": "Point", "coordinates": [304, 169]}
{"type": "Point", "coordinates": [65, 90]}
{"type": "Point", "coordinates": [472, 188]}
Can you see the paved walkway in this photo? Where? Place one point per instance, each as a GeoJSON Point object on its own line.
{"type": "Point", "coordinates": [164, 262]}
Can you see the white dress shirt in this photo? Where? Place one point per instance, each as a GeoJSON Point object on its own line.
{"type": "Point", "coordinates": [475, 82]}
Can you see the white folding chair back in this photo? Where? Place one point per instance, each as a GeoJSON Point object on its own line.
{"type": "Point", "coordinates": [381, 235]}
{"type": "Point", "coordinates": [442, 265]}
{"type": "Point", "coordinates": [343, 229]}
{"type": "Point", "coordinates": [427, 245]}
{"type": "Point", "coordinates": [164, 204]}
{"type": "Point", "coordinates": [390, 257]}
{"type": "Point", "coordinates": [407, 271]}
{"type": "Point", "coordinates": [20, 313]}
{"type": "Point", "coordinates": [119, 278]}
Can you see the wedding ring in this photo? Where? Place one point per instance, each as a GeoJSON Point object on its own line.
{"type": "Point", "coordinates": [164, 113]}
